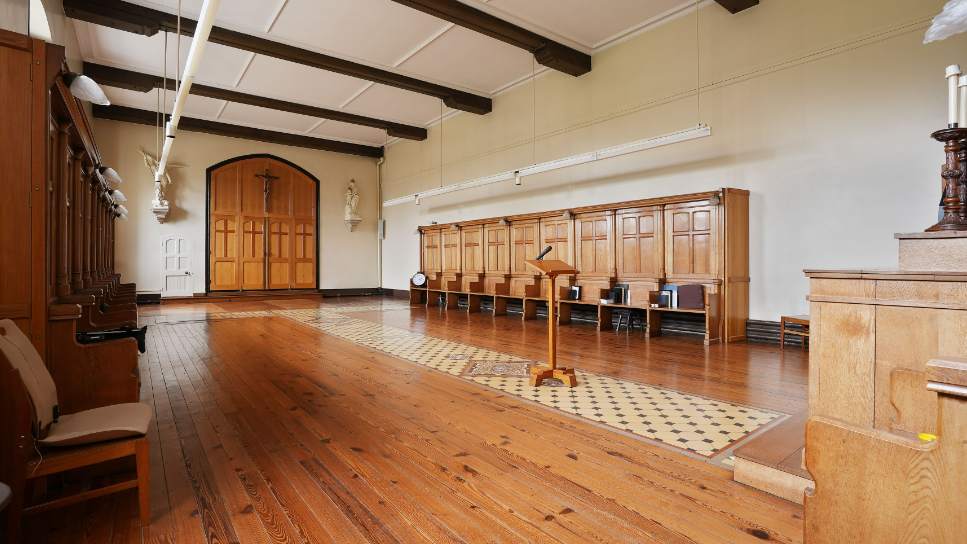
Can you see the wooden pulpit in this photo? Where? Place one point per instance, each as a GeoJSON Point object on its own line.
{"type": "Point", "coordinates": [552, 269]}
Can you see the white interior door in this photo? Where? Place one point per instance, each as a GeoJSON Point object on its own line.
{"type": "Point", "coordinates": [176, 266]}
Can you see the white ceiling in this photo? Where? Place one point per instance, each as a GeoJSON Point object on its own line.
{"type": "Point", "coordinates": [379, 33]}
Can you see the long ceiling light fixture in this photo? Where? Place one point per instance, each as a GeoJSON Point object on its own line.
{"type": "Point", "coordinates": [202, 31]}
{"type": "Point", "coordinates": [693, 133]}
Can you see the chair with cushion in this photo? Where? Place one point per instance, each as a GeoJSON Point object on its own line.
{"type": "Point", "coordinates": [36, 441]}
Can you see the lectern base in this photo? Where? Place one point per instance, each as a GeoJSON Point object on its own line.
{"type": "Point", "coordinates": [541, 373]}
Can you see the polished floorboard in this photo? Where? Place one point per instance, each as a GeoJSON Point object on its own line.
{"type": "Point", "coordinates": [269, 431]}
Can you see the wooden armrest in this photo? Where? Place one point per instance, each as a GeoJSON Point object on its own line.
{"type": "Point", "coordinates": [947, 375]}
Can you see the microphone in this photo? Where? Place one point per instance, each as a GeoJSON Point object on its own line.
{"type": "Point", "coordinates": [545, 252]}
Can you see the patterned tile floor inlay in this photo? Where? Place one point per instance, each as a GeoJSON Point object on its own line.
{"type": "Point", "coordinates": [693, 423]}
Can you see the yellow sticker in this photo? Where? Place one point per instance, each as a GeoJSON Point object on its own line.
{"type": "Point", "coordinates": [927, 437]}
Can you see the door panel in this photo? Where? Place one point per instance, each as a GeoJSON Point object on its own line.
{"type": "Point", "coordinates": [304, 254]}
{"type": "Point", "coordinates": [472, 250]}
{"type": "Point", "coordinates": [176, 276]}
{"type": "Point", "coordinates": [525, 246]}
{"type": "Point", "coordinates": [496, 248]}
{"type": "Point", "coordinates": [639, 251]}
{"type": "Point", "coordinates": [280, 253]}
{"type": "Point", "coordinates": [253, 253]}
{"type": "Point", "coordinates": [224, 253]}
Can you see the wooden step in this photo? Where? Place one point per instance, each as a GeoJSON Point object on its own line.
{"type": "Point", "coordinates": [772, 461]}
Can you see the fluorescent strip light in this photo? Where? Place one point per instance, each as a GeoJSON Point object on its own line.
{"type": "Point", "coordinates": [658, 141]}
{"type": "Point", "coordinates": [649, 143]}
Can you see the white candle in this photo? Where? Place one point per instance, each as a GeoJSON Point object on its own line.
{"type": "Point", "coordinates": [962, 87]}
{"type": "Point", "coordinates": [953, 75]}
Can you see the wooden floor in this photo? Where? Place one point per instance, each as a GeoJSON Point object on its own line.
{"type": "Point", "coordinates": [267, 431]}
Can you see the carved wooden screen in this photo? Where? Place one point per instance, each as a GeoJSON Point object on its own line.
{"type": "Point", "coordinates": [639, 243]}
{"type": "Point", "coordinates": [593, 234]}
{"type": "Point", "coordinates": [432, 252]}
{"type": "Point", "coordinates": [262, 218]}
{"type": "Point", "coordinates": [526, 238]}
{"type": "Point", "coordinates": [473, 260]}
{"type": "Point", "coordinates": [497, 250]}
{"type": "Point", "coordinates": [690, 249]}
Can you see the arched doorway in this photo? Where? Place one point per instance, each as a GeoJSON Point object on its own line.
{"type": "Point", "coordinates": [262, 225]}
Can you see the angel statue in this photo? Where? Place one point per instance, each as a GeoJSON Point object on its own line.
{"type": "Point", "coordinates": [159, 189]}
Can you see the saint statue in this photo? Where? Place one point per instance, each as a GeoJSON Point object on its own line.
{"type": "Point", "coordinates": [352, 200]}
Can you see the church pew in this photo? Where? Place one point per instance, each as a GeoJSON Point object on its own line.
{"type": "Point", "coordinates": [874, 486]}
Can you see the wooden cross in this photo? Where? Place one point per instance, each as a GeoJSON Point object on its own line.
{"type": "Point", "coordinates": [266, 177]}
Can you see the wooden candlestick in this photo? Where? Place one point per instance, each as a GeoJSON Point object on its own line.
{"type": "Point", "coordinates": [952, 185]}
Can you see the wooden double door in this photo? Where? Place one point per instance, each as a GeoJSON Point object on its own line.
{"type": "Point", "coordinates": [262, 227]}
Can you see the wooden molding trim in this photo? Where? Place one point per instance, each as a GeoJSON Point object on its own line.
{"type": "Point", "coordinates": [735, 6]}
{"type": "Point", "coordinates": [587, 209]}
{"type": "Point", "coordinates": [890, 302]}
{"type": "Point", "coordinates": [137, 81]}
{"type": "Point", "coordinates": [146, 21]}
{"type": "Point", "coordinates": [547, 52]}
{"type": "Point", "coordinates": [14, 311]}
{"type": "Point", "coordinates": [144, 117]}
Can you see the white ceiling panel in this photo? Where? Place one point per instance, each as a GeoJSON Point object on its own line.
{"type": "Point", "coordinates": [394, 104]}
{"type": "Point", "coordinates": [219, 66]}
{"type": "Point", "coordinates": [253, 14]}
{"type": "Point", "coordinates": [377, 31]}
{"type": "Point", "coordinates": [197, 106]}
{"type": "Point", "coordinates": [266, 118]}
{"type": "Point", "coordinates": [299, 83]}
{"type": "Point", "coordinates": [350, 133]}
{"type": "Point", "coordinates": [468, 59]}
{"type": "Point", "coordinates": [583, 21]}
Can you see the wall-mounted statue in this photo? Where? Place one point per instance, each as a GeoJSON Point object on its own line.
{"type": "Point", "coordinates": [352, 201]}
{"type": "Point", "coordinates": [159, 206]}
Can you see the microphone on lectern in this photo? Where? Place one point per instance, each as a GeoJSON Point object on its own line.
{"type": "Point", "coordinates": [545, 252]}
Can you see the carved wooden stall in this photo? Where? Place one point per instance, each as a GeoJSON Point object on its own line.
{"type": "Point", "coordinates": [700, 238]}
{"type": "Point", "coordinates": [57, 226]}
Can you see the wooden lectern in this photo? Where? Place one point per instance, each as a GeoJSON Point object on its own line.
{"type": "Point", "coordinates": [552, 269]}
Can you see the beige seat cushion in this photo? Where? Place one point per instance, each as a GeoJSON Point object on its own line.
{"type": "Point", "coordinates": [100, 424]}
{"type": "Point", "coordinates": [4, 496]}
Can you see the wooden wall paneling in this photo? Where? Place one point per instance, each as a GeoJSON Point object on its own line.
{"type": "Point", "coordinates": [497, 258]}
{"type": "Point", "coordinates": [87, 220]}
{"type": "Point", "coordinates": [279, 201]}
{"type": "Point", "coordinates": [432, 251]}
{"type": "Point", "coordinates": [526, 238]}
{"type": "Point", "coordinates": [15, 176]}
{"type": "Point", "coordinates": [252, 251]}
{"type": "Point", "coordinates": [640, 250]}
{"type": "Point", "coordinates": [912, 342]}
{"type": "Point", "coordinates": [691, 251]}
{"type": "Point", "coordinates": [915, 406]}
{"type": "Point", "coordinates": [736, 279]}
{"type": "Point", "coordinates": [846, 385]}
{"type": "Point", "coordinates": [224, 190]}
{"type": "Point", "coordinates": [451, 251]}
{"type": "Point", "coordinates": [473, 266]}
{"type": "Point", "coordinates": [303, 196]}
{"type": "Point", "coordinates": [304, 254]}
{"type": "Point", "coordinates": [39, 188]}
{"type": "Point", "coordinates": [559, 234]}
{"type": "Point", "coordinates": [593, 253]}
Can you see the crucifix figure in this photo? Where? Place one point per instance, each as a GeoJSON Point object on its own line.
{"type": "Point", "coordinates": [266, 177]}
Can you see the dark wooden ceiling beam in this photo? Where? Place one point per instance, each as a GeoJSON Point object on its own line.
{"type": "Point", "coordinates": [735, 6]}
{"type": "Point", "coordinates": [137, 81]}
{"type": "Point", "coordinates": [547, 52]}
{"type": "Point", "coordinates": [146, 21]}
{"type": "Point", "coordinates": [144, 117]}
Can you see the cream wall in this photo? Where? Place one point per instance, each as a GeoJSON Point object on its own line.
{"type": "Point", "coordinates": [823, 109]}
{"type": "Point", "coordinates": [346, 260]}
